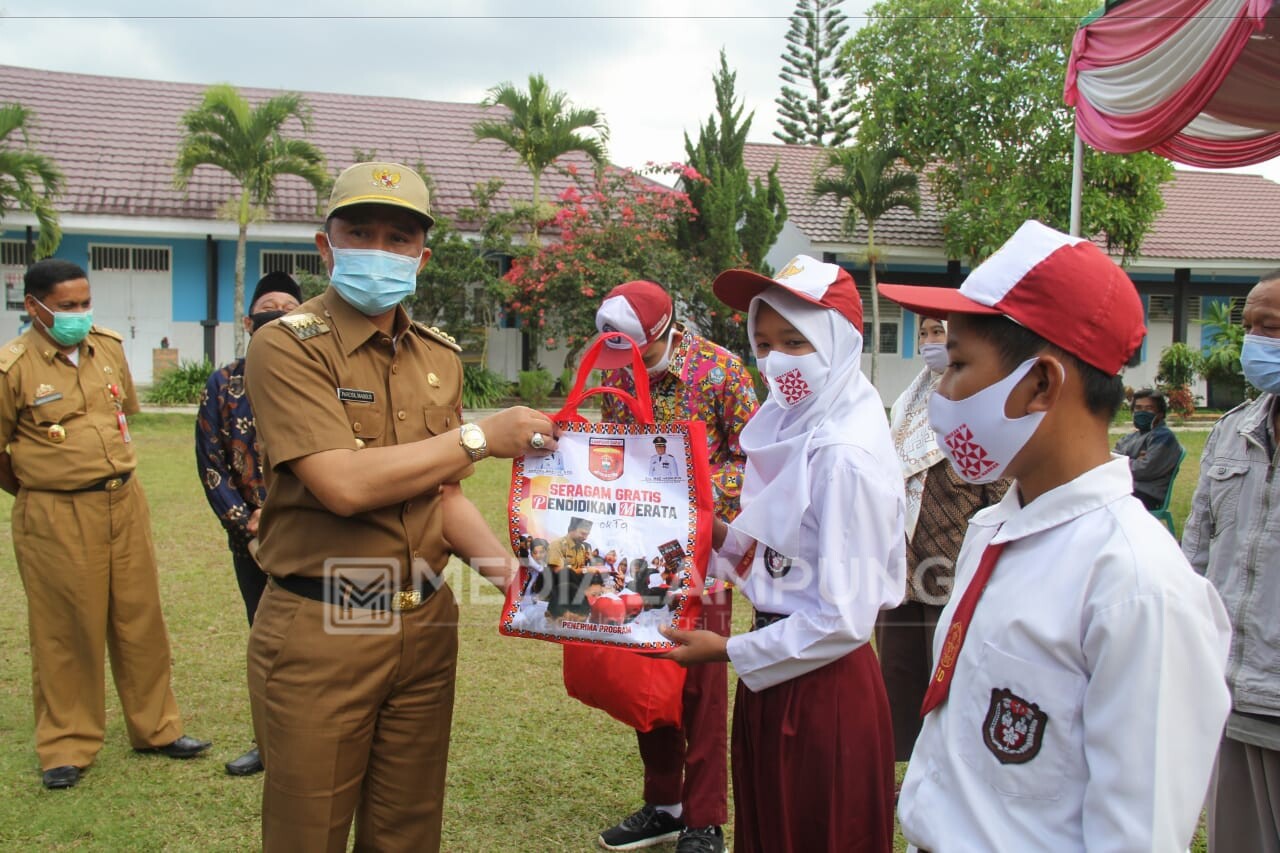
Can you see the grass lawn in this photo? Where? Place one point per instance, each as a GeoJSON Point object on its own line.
{"type": "Point", "coordinates": [540, 774]}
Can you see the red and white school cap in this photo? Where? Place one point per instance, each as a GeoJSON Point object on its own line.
{"type": "Point", "coordinates": [826, 285]}
{"type": "Point", "coordinates": [641, 310]}
{"type": "Point", "coordinates": [1065, 289]}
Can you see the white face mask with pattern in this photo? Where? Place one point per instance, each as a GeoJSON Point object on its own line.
{"type": "Point", "coordinates": [793, 379]}
{"type": "Point", "coordinates": [975, 434]}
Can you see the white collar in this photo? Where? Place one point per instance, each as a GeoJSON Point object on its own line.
{"type": "Point", "coordinates": [1095, 488]}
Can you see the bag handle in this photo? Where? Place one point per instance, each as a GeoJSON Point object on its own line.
{"type": "Point", "coordinates": [640, 404]}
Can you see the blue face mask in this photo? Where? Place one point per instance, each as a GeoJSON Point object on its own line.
{"type": "Point", "coordinates": [1260, 358]}
{"type": "Point", "coordinates": [69, 327]}
{"type": "Point", "coordinates": [1144, 421]}
{"type": "Point", "coordinates": [372, 281]}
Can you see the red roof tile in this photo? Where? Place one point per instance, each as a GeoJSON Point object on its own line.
{"type": "Point", "coordinates": [1207, 215]}
{"type": "Point", "coordinates": [821, 219]}
{"type": "Point", "coordinates": [116, 140]}
{"type": "Point", "coordinates": [1215, 215]}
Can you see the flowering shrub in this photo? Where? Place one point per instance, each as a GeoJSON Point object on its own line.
{"type": "Point", "coordinates": [612, 226]}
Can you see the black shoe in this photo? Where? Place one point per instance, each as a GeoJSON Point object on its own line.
{"type": "Point", "coordinates": [65, 776]}
{"type": "Point", "coordinates": [645, 828]}
{"type": "Point", "coordinates": [705, 839]}
{"type": "Point", "coordinates": [183, 747]}
{"type": "Point", "coordinates": [245, 765]}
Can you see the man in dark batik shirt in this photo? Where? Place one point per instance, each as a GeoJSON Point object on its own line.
{"type": "Point", "coordinates": [230, 466]}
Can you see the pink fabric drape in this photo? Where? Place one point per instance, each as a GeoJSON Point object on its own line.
{"type": "Point", "coordinates": [1237, 83]}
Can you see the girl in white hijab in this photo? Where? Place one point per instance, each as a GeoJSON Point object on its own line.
{"type": "Point", "coordinates": [819, 551]}
{"type": "Point", "coordinates": [939, 505]}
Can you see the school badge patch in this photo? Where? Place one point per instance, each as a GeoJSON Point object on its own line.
{"type": "Point", "coordinates": [1014, 728]}
{"type": "Point", "coordinates": [776, 564]}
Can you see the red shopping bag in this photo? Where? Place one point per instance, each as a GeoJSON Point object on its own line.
{"type": "Point", "coordinates": [614, 534]}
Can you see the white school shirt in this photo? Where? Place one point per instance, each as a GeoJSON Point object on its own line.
{"type": "Point", "coordinates": [1089, 697]}
{"type": "Point", "coordinates": [852, 565]}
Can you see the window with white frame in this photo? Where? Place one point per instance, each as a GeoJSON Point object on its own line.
{"type": "Point", "coordinates": [1237, 310]}
{"type": "Point", "coordinates": [129, 258]}
{"type": "Point", "coordinates": [1160, 308]}
{"type": "Point", "coordinates": [13, 260]}
{"type": "Point", "coordinates": [890, 322]}
{"type": "Point", "coordinates": [293, 263]}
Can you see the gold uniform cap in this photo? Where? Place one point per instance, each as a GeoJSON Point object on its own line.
{"type": "Point", "coordinates": [382, 183]}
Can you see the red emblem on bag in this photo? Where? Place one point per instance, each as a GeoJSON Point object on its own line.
{"type": "Point", "coordinates": [793, 387]}
{"type": "Point", "coordinates": [605, 457]}
{"type": "Point", "coordinates": [1014, 728]}
{"type": "Point", "coordinates": [969, 456]}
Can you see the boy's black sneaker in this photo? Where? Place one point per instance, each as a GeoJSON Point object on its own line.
{"type": "Point", "coordinates": [645, 828]}
{"type": "Point", "coordinates": [705, 839]}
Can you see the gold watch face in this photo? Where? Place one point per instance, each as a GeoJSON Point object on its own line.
{"type": "Point", "coordinates": [472, 437]}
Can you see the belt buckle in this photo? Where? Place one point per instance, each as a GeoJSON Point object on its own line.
{"type": "Point", "coordinates": [406, 599]}
{"type": "Point", "coordinates": [113, 484]}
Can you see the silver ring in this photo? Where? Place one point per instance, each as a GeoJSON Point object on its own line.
{"type": "Point", "coordinates": [537, 442]}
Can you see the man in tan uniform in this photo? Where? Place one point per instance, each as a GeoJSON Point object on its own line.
{"type": "Point", "coordinates": [570, 551]}
{"type": "Point", "coordinates": [82, 531]}
{"type": "Point", "coordinates": [353, 648]}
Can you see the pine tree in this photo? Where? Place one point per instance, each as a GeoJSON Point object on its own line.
{"type": "Point", "coordinates": [738, 218]}
{"type": "Point", "coordinates": [808, 112]}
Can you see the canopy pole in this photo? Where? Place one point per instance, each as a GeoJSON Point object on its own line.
{"type": "Point", "coordinates": [1077, 183]}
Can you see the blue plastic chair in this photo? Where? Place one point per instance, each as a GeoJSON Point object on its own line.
{"type": "Point", "coordinates": [1162, 512]}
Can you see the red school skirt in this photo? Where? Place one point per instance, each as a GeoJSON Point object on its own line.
{"type": "Point", "coordinates": [813, 762]}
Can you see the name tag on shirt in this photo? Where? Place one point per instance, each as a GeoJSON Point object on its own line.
{"type": "Point", "coordinates": [47, 398]}
{"type": "Point", "coordinates": [354, 395]}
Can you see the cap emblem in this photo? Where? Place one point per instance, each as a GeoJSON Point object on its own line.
{"type": "Point", "coordinates": [386, 179]}
{"type": "Point", "coordinates": [792, 268]}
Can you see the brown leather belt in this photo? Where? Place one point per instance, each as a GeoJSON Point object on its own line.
{"type": "Point", "coordinates": [111, 484]}
{"type": "Point", "coordinates": [334, 591]}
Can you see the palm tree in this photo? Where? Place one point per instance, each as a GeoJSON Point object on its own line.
{"type": "Point", "coordinates": [248, 143]}
{"type": "Point", "coordinates": [28, 179]}
{"type": "Point", "coordinates": [540, 126]}
{"type": "Point", "coordinates": [870, 182]}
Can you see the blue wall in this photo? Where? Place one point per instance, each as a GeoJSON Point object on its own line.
{"type": "Point", "coordinates": [188, 267]}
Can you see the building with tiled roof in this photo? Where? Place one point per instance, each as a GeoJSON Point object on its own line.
{"type": "Point", "coordinates": [155, 253]}
{"type": "Point", "coordinates": [1217, 233]}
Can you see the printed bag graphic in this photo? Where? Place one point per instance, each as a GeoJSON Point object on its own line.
{"type": "Point", "coordinates": [612, 528]}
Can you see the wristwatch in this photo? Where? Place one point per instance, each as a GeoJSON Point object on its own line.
{"type": "Point", "coordinates": [472, 439]}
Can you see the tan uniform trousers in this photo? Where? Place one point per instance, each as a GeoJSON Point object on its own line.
{"type": "Point", "coordinates": [352, 723]}
{"type": "Point", "coordinates": [89, 569]}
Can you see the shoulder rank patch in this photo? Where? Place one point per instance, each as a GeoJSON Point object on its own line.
{"type": "Point", "coordinates": [436, 334]}
{"type": "Point", "coordinates": [10, 354]}
{"type": "Point", "coordinates": [110, 333]}
{"type": "Point", "coordinates": [305, 325]}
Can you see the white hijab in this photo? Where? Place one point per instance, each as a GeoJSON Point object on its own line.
{"type": "Point", "coordinates": [779, 442]}
{"type": "Point", "coordinates": [914, 440]}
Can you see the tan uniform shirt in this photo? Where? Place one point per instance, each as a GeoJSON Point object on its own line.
{"type": "Point", "coordinates": [59, 418]}
{"type": "Point", "coordinates": [564, 553]}
{"type": "Point", "coordinates": [332, 381]}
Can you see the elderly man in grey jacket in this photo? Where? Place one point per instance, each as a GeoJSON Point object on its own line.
{"type": "Point", "coordinates": [1233, 537]}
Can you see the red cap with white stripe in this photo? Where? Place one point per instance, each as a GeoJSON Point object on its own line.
{"type": "Point", "coordinates": [641, 310]}
{"type": "Point", "coordinates": [1065, 289]}
{"type": "Point", "coordinates": [827, 285]}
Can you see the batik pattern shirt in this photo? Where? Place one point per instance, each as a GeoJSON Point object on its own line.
{"type": "Point", "coordinates": [703, 382]}
{"type": "Point", "coordinates": [227, 454]}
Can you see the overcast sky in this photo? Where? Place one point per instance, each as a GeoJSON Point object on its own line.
{"type": "Point", "coordinates": [648, 71]}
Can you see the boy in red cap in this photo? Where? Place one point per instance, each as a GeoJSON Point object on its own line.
{"type": "Point", "coordinates": [686, 785]}
{"type": "Point", "coordinates": [1078, 693]}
